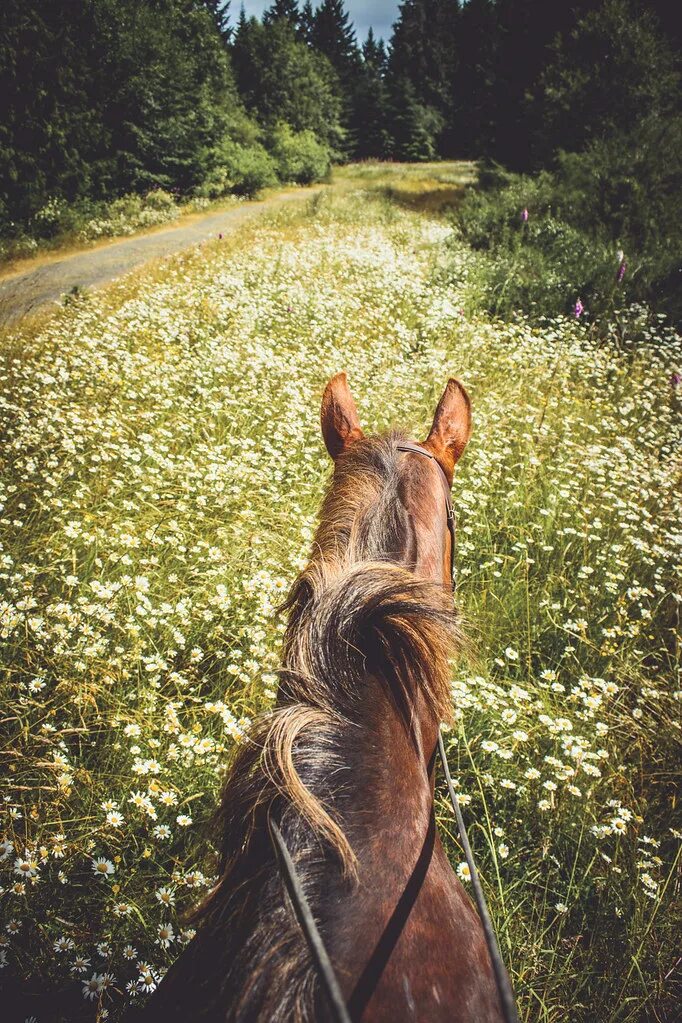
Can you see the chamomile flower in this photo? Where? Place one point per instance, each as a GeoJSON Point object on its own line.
{"type": "Point", "coordinates": [93, 988]}
{"type": "Point", "coordinates": [165, 935]}
{"type": "Point", "coordinates": [103, 867]}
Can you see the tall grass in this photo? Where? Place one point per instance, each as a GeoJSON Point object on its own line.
{"type": "Point", "coordinates": [162, 473]}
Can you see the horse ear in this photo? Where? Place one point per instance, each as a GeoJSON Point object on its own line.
{"type": "Point", "coordinates": [451, 428]}
{"type": "Point", "coordinates": [340, 423]}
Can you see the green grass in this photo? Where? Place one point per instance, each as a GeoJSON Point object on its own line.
{"type": "Point", "coordinates": [162, 473]}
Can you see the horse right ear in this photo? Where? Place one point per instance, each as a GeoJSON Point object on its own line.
{"type": "Point", "coordinates": [340, 423]}
{"type": "Point", "coordinates": [451, 427]}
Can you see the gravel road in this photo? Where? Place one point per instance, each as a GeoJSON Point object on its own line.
{"type": "Point", "coordinates": [31, 290]}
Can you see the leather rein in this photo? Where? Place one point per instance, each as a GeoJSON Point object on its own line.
{"type": "Point", "coordinates": [337, 1005]}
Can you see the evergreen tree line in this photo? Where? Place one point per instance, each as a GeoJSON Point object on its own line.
{"type": "Point", "coordinates": [102, 97]}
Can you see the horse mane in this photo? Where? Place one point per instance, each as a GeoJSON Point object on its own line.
{"type": "Point", "coordinates": [357, 616]}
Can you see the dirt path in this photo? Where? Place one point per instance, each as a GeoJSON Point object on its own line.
{"type": "Point", "coordinates": [30, 290]}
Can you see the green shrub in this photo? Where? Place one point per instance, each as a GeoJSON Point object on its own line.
{"type": "Point", "coordinates": [298, 156]}
{"type": "Point", "coordinates": [127, 214]}
{"type": "Point", "coordinates": [620, 193]}
{"type": "Point", "coordinates": [540, 265]}
{"type": "Point", "coordinates": [159, 199]}
{"type": "Point", "coordinates": [52, 219]}
{"type": "Point", "coordinates": [628, 189]}
{"type": "Point", "coordinates": [241, 169]}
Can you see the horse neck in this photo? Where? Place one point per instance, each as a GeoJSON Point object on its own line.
{"type": "Point", "coordinates": [394, 755]}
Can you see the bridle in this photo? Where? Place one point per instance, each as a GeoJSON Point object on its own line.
{"type": "Point", "coordinates": [292, 882]}
{"type": "Point", "coordinates": [417, 449]}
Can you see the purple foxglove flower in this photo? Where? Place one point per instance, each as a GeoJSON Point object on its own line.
{"type": "Point", "coordinates": [676, 380]}
{"type": "Point", "coordinates": [524, 215]}
{"type": "Point", "coordinates": [621, 270]}
{"type": "Point", "coordinates": [578, 309]}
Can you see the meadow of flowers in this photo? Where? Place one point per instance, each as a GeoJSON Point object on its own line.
{"type": "Point", "coordinates": [162, 469]}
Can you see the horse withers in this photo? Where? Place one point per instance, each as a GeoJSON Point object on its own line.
{"type": "Point", "coordinates": [345, 766]}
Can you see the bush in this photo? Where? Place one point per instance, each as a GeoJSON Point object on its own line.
{"type": "Point", "coordinates": [52, 219]}
{"type": "Point", "coordinates": [628, 189]}
{"type": "Point", "coordinates": [241, 169]}
{"type": "Point", "coordinates": [298, 156]}
{"type": "Point", "coordinates": [620, 194]}
{"type": "Point", "coordinates": [540, 265]}
{"type": "Point", "coordinates": [160, 200]}
{"type": "Point", "coordinates": [128, 214]}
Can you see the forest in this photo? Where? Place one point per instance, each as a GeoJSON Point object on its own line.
{"type": "Point", "coordinates": [573, 109]}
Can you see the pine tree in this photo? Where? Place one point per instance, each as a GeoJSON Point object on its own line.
{"type": "Point", "coordinates": [280, 78]}
{"type": "Point", "coordinates": [334, 36]}
{"type": "Point", "coordinates": [220, 12]}
{"type": "Point", "coordinates": [371, 101]}
{"type": "Point", "coordinates": [90, 107]}
{"type": "Point", "coordinates": [374, 53]}
{"type": "Point", "coordinates": [525, 31]}
{"type": "Point", "coordinates": [607, 77]}
{"type": "Point", "coordinates": [421, 66]}
{"type": "Point", "coordinates": [306, 22]}
{"type": "Point", "coordinates": [473, 119]}
{"type": "Point", "coordinates": [283, 10]}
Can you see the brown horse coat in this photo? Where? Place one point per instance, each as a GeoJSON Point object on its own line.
{"type": "Point", "coordinates": [345, 764]}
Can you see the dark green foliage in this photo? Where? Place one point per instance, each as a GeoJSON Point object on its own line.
{"type": "Point", "coordinates": [421, 66]}
{"type": "Point", "coordinates": [90, 106]}
{"type": "Point", "coordinates": [622, 193]}
{"type": "Point", "coordinates": [306, 21]}
{"type": "Point", "coordinates": [416, 126]}
{"type": "Point", "coordinates": [104, 97]}
{"type": "Point", "coordinates": [282, 79]}
{"type": "Point", "coordinates": [540, 266]}
{"type": "Point", "coordinates": [372, 135]}
{"type": "Point", "coordinates": [333, 35]}
{"type": "Point", "coordinates": [474, 125]}
{"type": "Point", "coordinates": [613, 71]}
{"type": "Point", "coordinates": [601, 113]}
{"type": "Point", "coordinates": [50, 137]}
{"type": "Point", "coordinates": [161, 124]}
{"type": "Point", "coordinates": [220, 12]}
{"type": "Point", "coordinates": [283, 9]}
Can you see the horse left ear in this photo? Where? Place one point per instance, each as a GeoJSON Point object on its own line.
{"type": "Point", "coordinates": [340, 422]}
{"type": "Point", "coordinates": [451, 428]}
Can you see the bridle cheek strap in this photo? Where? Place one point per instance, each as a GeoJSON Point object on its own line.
{"type": "Point", "coordinates": [417, 449]}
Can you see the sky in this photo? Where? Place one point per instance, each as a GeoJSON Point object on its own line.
{"type": "Point", "coordinates": [380, 14]}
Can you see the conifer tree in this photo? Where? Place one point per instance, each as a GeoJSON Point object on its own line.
{"type": "Point", "coordinates": [280, 78]}
{"type": "Point", "coordinates": [220, 12]}
{"type": "Point", "coordinates": [372, 138]}
{"type": "Point", "coordinates": [334, 36]}
{"type": "Point", "coordinates": [283, 10]}
{"type": "Point", "coordinates": [473, 118]}
{"type": "Point", "coordinates": [421, 67]}
{"type": "Point", "coordinates": [306, 22]}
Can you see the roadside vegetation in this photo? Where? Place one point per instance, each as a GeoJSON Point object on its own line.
{"type": "Point", "coordinates": [573, 108]}
{"type": "Point", "coordinates": [161, 474]}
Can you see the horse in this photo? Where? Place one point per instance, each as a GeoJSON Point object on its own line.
{"type": "Point", "coordinates": [345, 766]}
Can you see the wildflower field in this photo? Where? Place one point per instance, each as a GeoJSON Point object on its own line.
{"type": "Point", "coordinates": [162, 467]}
